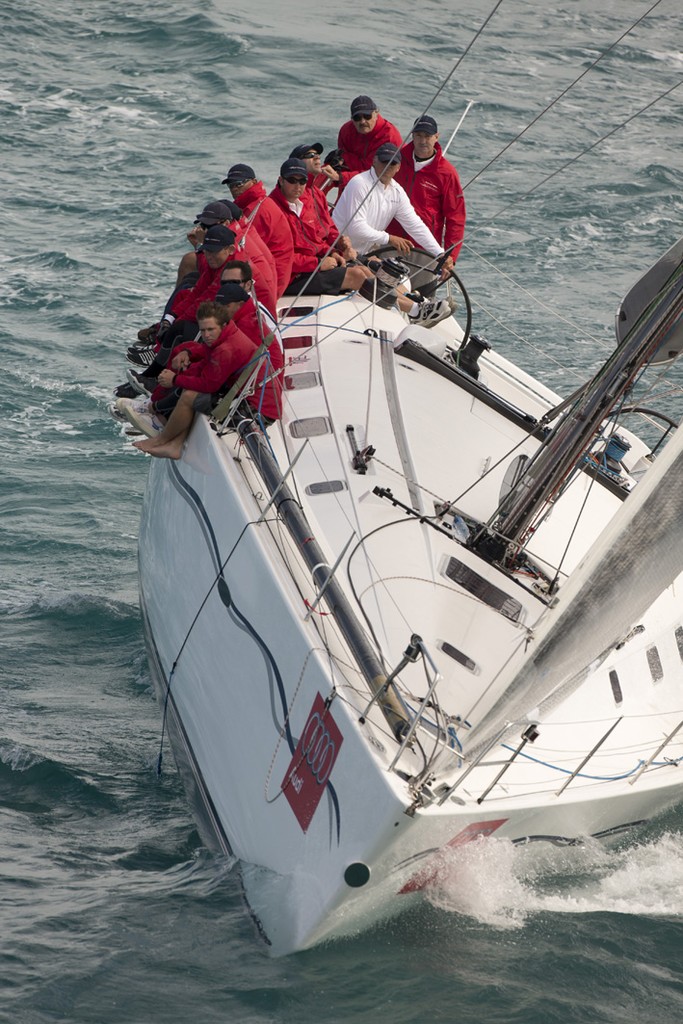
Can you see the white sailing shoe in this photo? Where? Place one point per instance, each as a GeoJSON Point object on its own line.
{"type": "Point", "coordinates": [140, 413]}
{"type": "Point", "coordinates": [431, 313]}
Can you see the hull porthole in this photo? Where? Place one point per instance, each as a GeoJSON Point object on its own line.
{"type": "Point", "coordinates": [356, 875]}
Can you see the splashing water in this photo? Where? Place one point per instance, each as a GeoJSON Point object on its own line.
{"type": "Point", "coordinates": [503, 885]}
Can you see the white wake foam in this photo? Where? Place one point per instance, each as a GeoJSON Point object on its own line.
{"type": "Point", "coordinates": [503, 885]}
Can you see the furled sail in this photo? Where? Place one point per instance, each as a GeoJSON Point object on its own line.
{"type": "Point", "coordinates": [639, 554]}
{"type": "Point", "coordinates": [650, 323]}
{"type": "Point", "coordinates": [636, 558]}
{"type": "Point", "coordinates": [644, 293]}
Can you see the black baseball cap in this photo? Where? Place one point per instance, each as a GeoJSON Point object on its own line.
{"type": "Point", "coordinates": [231, 291]}
{"type": "Point", "coordinates": [218, 237]}
{"type": "Point", "coordinates": [300, 151]}
{"type": "Point", "coordinates": [238, 173]}
{"type": "Point", "coordinates": [363, 105]}
{"type": "Point", "coordinates": [388, 154]}
{"type": "Point", "coordinates": [293, 166]}
{"type": "Point", "coordinates": [425, 123]}
{"type": "Point", "coordinates": [214, 213]}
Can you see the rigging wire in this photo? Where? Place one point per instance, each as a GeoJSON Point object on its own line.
{"type": "Point", "coordinates": [574, 159]}
{"type": "Point", "coordinates": [534, 298]}
{"type": "Point", "coordinates": [559, 97]}
{"type": "Point", "coordinates": [431, 103]}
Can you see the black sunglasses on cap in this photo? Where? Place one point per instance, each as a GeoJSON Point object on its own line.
{"type": "Point", "coordinates": [296, 181]}
{"type": "Point", "coordinates": [362, 117]}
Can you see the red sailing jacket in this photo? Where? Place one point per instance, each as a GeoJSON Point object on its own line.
{"type": "Point", "coordinates": [313, 232]}
{"type": "Point", "coordinates": [250, 246]}
{"type": "Point", "coordinates": [358, 150]}
{"type": "Point", "coordinates": [271, 225]}
{"type": "Point", "coordinates": [211, 366]}
{"type": "Point", "coordinates": [269, 399]}
{"type": "Point", "coordinates": [436, 194]}
{"type": "Point", "coordinates": [187, 302]}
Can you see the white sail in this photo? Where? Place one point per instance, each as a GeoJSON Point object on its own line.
{"type": "Point", "coordinates": [638, 556]}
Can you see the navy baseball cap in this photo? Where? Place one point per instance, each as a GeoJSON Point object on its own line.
{"type": "Point", "coordinates": [238, 173]}
{"type": "Point", "coordinates": [217, 237]}
{"type": "Point", "coordinates": [388, 154]}
{"type": "Point", "coordinates": [294, 166]}
{"type": "Point", "coordinates": [231, 291]}
{"type": "Point", "coordinates": [363, 105]}
{"type": "Point", "coordinates": [235, 210]}
{"type": "Point", "coordinates": [214, 213]}
{"type": "Point", "coordinates": [300, 151]}
{"type": "Point", "coordinates": [425, 123]}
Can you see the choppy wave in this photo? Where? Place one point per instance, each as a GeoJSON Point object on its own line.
{"type": "Point", "coordinates": [505, 886]}
{"type": "Point", "coordinates": [117, 124]}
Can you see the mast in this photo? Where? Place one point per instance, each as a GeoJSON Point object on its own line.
{"type": "Point", "coordinates": [648, 327]}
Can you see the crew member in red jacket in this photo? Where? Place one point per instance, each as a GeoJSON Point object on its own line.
{"type": "Point", "coordinates": [320, 176]}
{"type": "Point", "coordinates": [250, 195]}
{"type": "Point", "coordinates": [360, 138]}
{"type": "Point", "coordinates": [254, 320]}
{"type": "Point", "coordinates": [433, 187]}
{"type": "Point", "coordinates": [318, 180]}
{"type": "Point", "coordinates": [198, 371]}
{"type": "Point", "coordinates": [315, 271]}
{"type": "Point", "coordinates": [180, 324]}
{"type": "Point", "coordinates": [248, 246]}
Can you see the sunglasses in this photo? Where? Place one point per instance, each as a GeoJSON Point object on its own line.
{"type": "Point", "coordinates": [296, 181]}
{"type": "Point", "coordinates": [362, 117]}
{"type": "Point", "coordinates": [310, 156]}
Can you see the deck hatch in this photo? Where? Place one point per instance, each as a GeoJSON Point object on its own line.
{"type": "Point", "coordinates": [480, 587]}
{"type": "Point", "coordinates": [458, 655]}
{"type": "Point", "coordinates": [295, 311]}
{"type": "Point", "coordinates": [655, 663]}
{"type": "Point", "coordinates": [312, 426]}
{"type": "Point", "coordinates": [299, 381]}
{"type": "Point", "coordinates": [679, 640]}
{"type": "Point", "coordinates": [297, 341]}
{"type": "Point", "coordinates": [616, 687]}
{"type": "Point", "coordinates": [325, 487]}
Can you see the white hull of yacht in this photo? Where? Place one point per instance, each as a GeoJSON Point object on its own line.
{"type": "Point", "coordinates": [336, 824]}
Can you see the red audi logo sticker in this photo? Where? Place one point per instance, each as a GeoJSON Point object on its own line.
{"type": "Point", "coordinates": [312, 763]}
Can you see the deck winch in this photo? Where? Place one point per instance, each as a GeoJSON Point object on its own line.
{"type": "Point", "coordinates": [381, 289]}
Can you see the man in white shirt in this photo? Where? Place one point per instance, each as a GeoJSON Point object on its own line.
{"type": "Point", "coordinates": [372, 199]}
{"type": "Point", "coordinates": [369, 203]}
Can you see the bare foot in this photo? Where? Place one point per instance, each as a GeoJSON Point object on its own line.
{"type": "Point", "coordinates": [147, 444]}
{"type": "Point", "coordinates": [172, 450]}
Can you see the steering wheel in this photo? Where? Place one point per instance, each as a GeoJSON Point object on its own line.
{"type": "Point", "coordinates": [424, 280]}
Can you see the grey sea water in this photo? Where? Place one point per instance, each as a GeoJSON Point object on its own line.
{"type": "Point", "coordinates": [117, 123]}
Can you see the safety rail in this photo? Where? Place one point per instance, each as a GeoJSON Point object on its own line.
{"type": "Point", "coordinates": [657, 752]}
{"type": "Point", "coordinates": [530, 735]}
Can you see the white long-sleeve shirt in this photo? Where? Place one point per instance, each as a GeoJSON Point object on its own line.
{"type": "Point", "coordinates": [365, 226]}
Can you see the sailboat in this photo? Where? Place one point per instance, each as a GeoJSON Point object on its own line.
{"type": "Point", "coordinates": [435, 603]}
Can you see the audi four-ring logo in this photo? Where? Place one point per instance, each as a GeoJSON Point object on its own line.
{"type": "Point", "coordinates": [312, 762]}
{"type": "Point", "coordinates": [319, 749]}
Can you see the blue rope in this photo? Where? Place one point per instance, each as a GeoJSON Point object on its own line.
{"type": "Point", "coordinates": [595, 778]}
{"type": "Point", "coordinates": [314, 312]}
